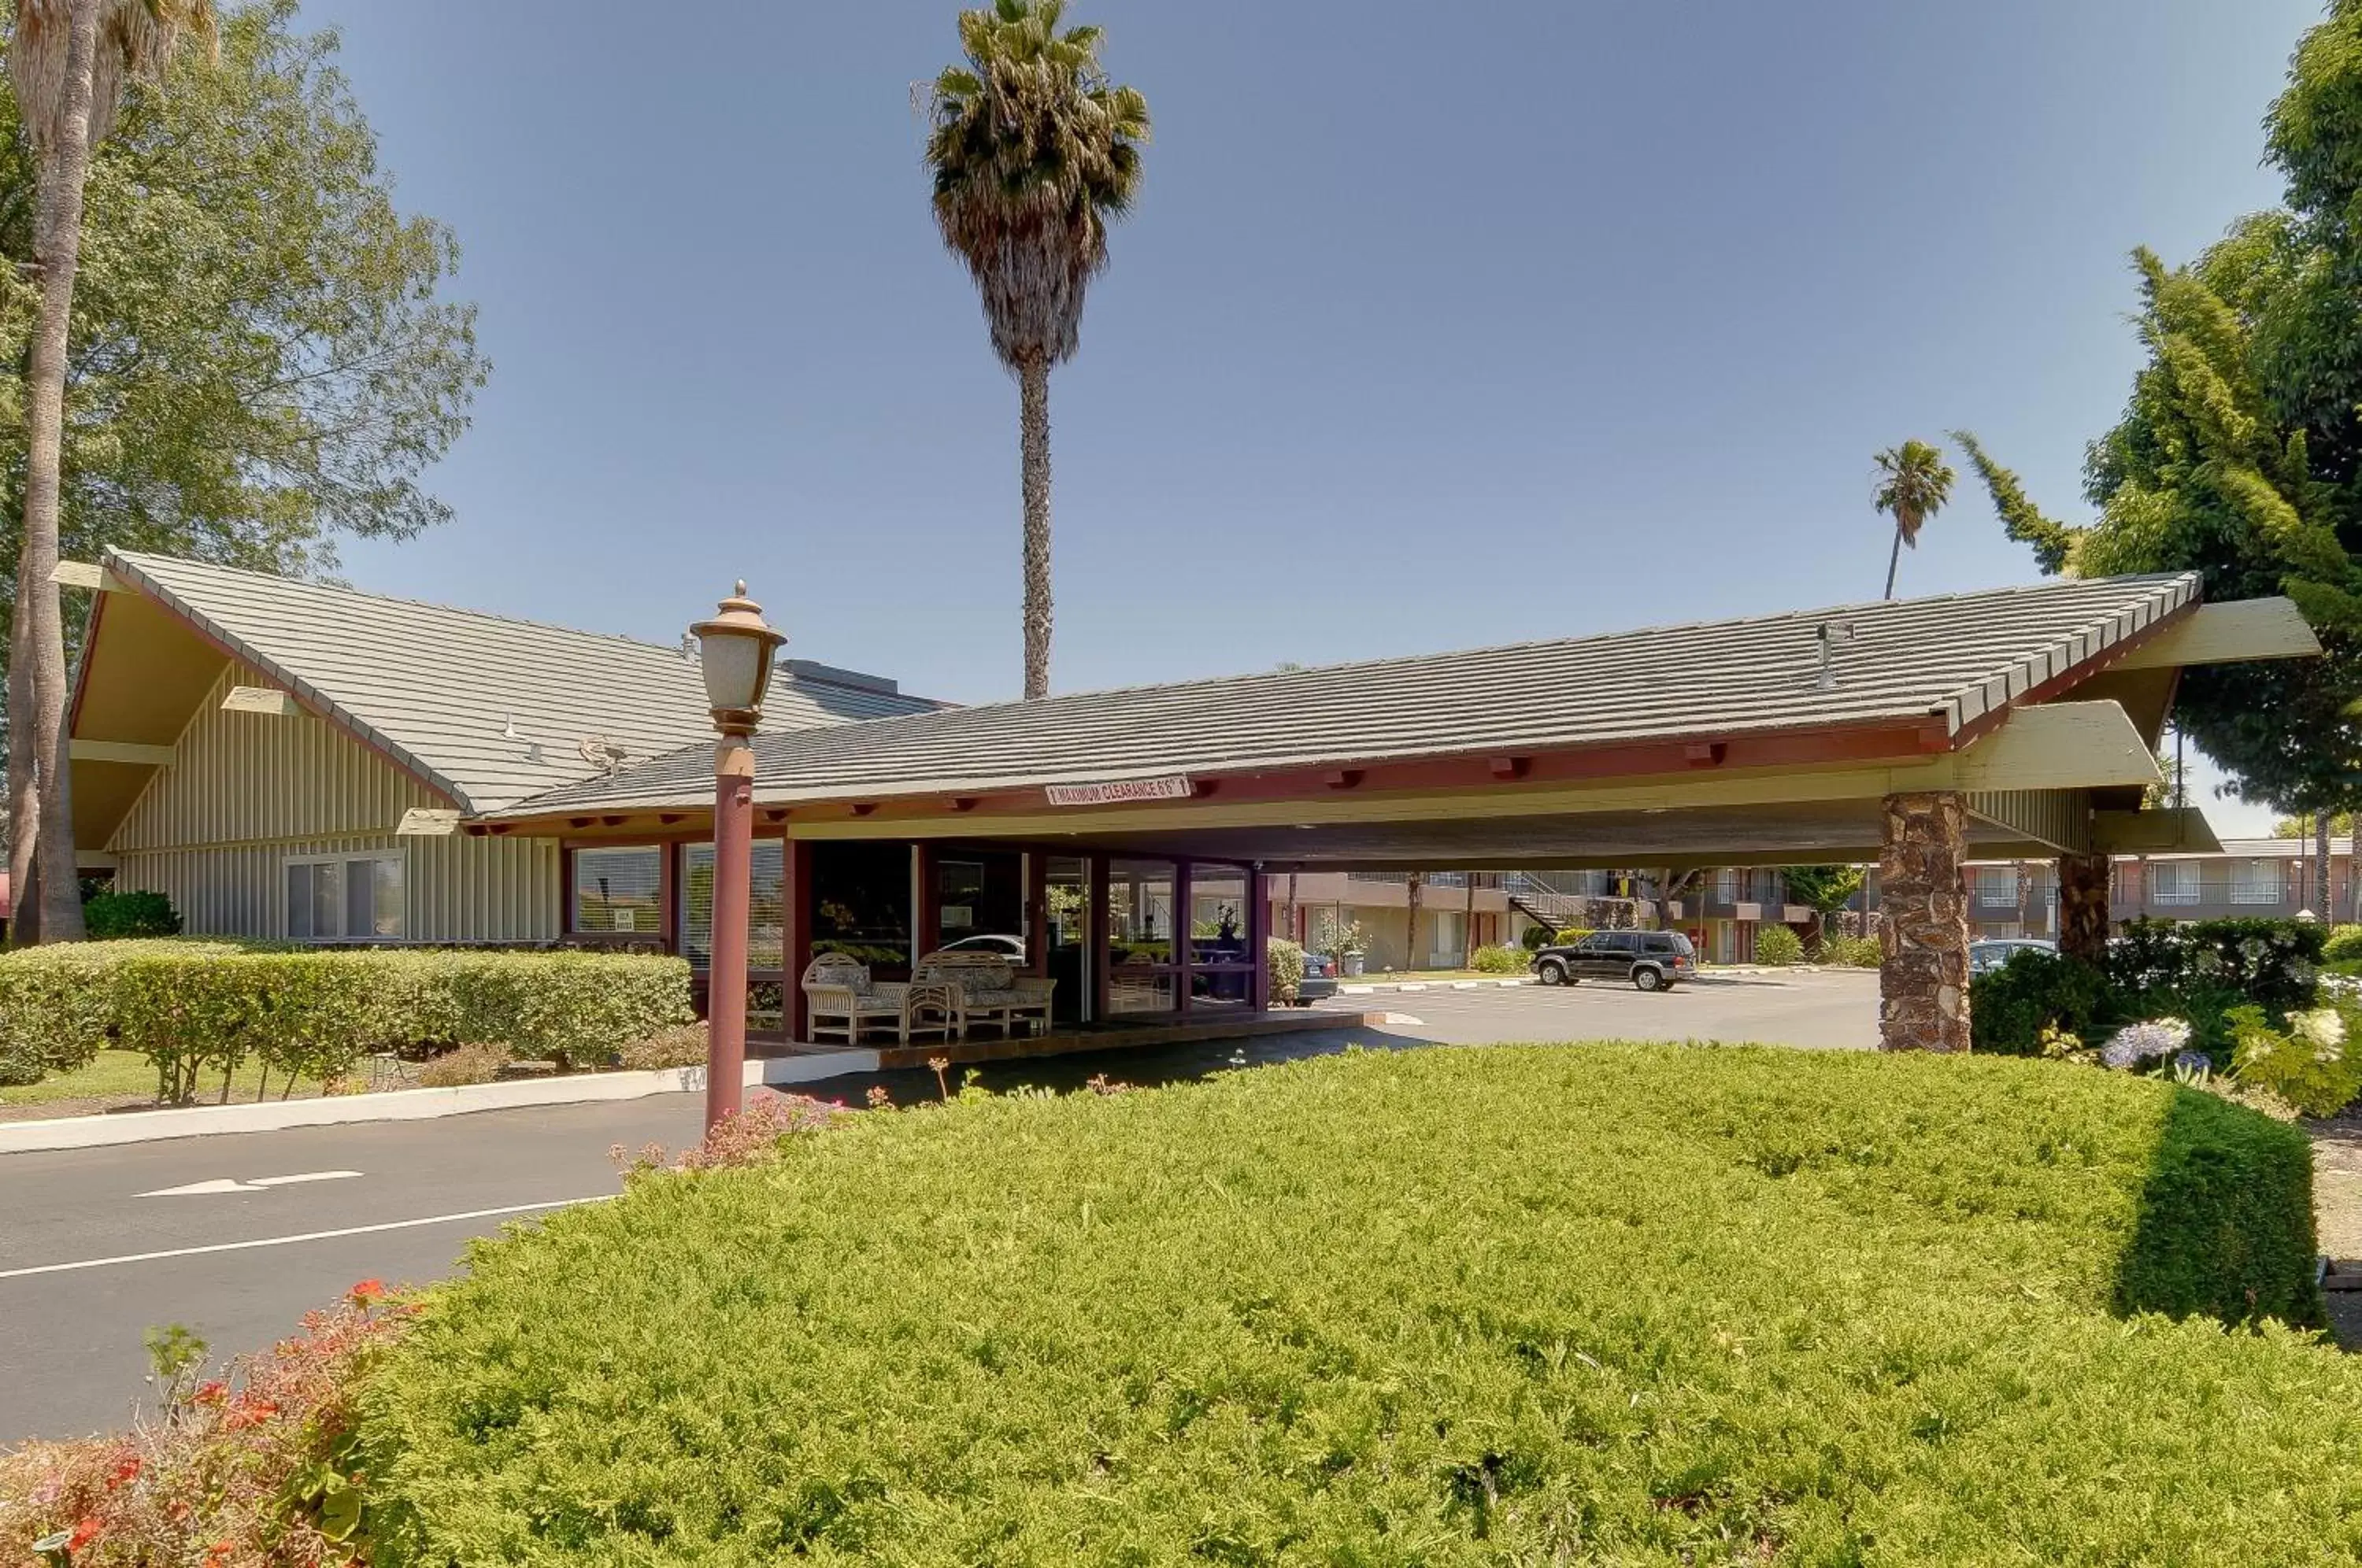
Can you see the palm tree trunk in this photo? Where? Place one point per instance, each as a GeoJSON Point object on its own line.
{"type": "Point", "coordinates": [1033, 424]}
{"type": "Point", "coordinates": [2321, 910]}
{"type": "Point", "coordinates": [1893, 559]}
{"type": "Point", "coordinates": [57, 252]}
{"type": "Point", "coordinates": [24, 799]}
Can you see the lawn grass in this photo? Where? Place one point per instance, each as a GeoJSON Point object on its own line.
{"type": "Point", "coordinates": [126, 1077]}
{"type": "Point", "coordinates": [1590, 1304]}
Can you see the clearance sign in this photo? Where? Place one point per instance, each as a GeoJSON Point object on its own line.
{"type": "Point", "coordinates": [1121, 791]}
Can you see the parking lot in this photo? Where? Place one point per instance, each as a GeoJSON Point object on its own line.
{"type": "Point", "coordinates": [1828, 1010]}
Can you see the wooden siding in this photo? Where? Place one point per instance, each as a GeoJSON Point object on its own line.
{"type": "Point", "coordinates": [213, 833]}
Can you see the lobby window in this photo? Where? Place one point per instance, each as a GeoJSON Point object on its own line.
{"type": "Point", "coordinates": [344, 897]}
{"type": "Point", "coordinates": [766, 911]}
{"type": "Point", "coordinates": [618, 891]}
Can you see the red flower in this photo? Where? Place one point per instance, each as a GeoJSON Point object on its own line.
{"type": "Point", "coordinates": [367, 1291]}
{"type": "Point", "coordinates": [84, 1534]}
{"type": "Point", "coordinates": [251, 1412]}
{"type": "Point", "coordinates": [212, 1393]}
{"type": "Point", "coordinates": [219, 1554]}
{"type": "Point", "coordinates": [126, 1469]}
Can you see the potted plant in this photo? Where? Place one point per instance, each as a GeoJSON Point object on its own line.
{"type": "Point", "coordinates": [1346, 944]}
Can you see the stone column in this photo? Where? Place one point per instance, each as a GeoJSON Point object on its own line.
{"type": "Point", "coordinates": [2083, 906]}
{"type": "Point", "coordinates": [1923, 929]}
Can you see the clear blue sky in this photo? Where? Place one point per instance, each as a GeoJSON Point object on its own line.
{"type": "Point", "coordinates": [1436, 326]}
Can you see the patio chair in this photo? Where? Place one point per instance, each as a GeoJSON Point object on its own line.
{"type": "Point", "coordinates": [841, 998]}
{"type": "Point", "coordinates": [986, 988]}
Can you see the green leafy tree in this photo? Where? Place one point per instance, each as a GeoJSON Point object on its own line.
{"type": "Point", "coordinates": [1824, 890]}
{"type": "Point", "coordinates": [2341, 824]}
{"type": "Point", "coordinates": [68, 62]}
{"type": "Point", "coordinates": [262, 354]}
{"type": "Point", "coordinates": [2239, 454]}
{"type": "Point", "coordinates": [1914, 483]}
{"type": "Point", "coordinates": [1035, 151]}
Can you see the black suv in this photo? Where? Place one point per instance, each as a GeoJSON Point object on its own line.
{"type": "Point", "coordinates": [1652, 960]}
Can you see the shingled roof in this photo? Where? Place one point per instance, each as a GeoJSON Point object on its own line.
{"type": "Point", "coordinates": [1952, 660]}
{"type": "Point", "coordinates": [488, 709]}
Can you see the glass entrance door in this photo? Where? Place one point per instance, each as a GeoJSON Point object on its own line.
{"type": "Point", "coordinates": [1067, 883]}
{"type": "Point", "coordinates": [1143, 973]}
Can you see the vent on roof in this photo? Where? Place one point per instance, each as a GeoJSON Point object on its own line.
{"type": "Point", "coordinates": [806, 671]}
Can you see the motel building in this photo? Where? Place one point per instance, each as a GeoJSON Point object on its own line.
{"type": "Point", "coordinates": [293, 760]}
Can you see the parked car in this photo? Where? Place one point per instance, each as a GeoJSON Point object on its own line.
{"type": "Point", "coordinates": [1992, 952]}
{"type": "Point", "coordinates": [1319, 980]}
{"type": "Point", "coordinates": [1651, 960]}
{"type": "Point", "coordinates": [1010, 948]}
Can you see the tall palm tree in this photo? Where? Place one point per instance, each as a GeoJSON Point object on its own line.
{"type": "Point", "coordinates": [1914, 482]}
{"type": "Point", "coordinates": [69, 60]}
{"type": "Point", "coordinates": [1035, 153]}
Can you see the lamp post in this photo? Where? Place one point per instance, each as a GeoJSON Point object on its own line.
{"type": "Point", "coordinates": [734, 651]}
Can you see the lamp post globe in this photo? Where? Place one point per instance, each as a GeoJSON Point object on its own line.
{"type": "Point", "coordinates": [734, 654]}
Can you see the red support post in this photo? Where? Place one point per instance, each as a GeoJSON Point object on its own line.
{"type": "Point", "coordinates": [1258, 949]}
{"type": "Point", "coordinates": [796, 896]}
{"type": "Point", "coordinates": [733, 868]}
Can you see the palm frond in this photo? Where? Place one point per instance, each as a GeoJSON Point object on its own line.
{"type": "Point", "coordinates": [1033, 152]}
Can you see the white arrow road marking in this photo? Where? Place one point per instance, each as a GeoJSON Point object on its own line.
{"type": "Point", "coordinates": [306, 1236]}
{"type": "Point", "coordinates": [255, 1183]}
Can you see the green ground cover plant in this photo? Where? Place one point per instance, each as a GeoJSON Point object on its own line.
{"type": "Point", "coordinates": [1642, 1305]}
{"type": "Point", "coordinates": [1494, 958]}
{"type": "Point", "coordinates": [1777, 944]}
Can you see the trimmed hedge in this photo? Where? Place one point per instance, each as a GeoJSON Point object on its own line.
{"type": "Point", "coordinates": [111, 916]}
{"type": "Point", "coordinates": [200, 1009]}
{"type": "Point", "coordinates": [1597, 1304]}
{"type": "Point", "coordinates": [2197, 971]}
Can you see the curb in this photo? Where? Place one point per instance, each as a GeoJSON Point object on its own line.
{"type": "Point", "coordinates": [106, 1130]}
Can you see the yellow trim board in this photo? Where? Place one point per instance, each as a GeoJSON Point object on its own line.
{"type": "Point", "coordinates": [121, 751]}
{"type": "Point", "coordinates": [2230, 633]}
{"type": "Point", "coordinates": [2165, 830]}
{"type": "Point", "coordinates": [2059, 745]}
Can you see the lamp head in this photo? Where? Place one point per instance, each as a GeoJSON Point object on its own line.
{"type": "Point", "coordinates": [735, 650]}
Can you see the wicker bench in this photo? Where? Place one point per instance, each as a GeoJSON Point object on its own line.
{"type": "Point", "coordinates": [841, 998]}
{"type": "Point", "coordinates": [987, 989]}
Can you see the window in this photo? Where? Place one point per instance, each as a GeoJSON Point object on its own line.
{"type": "Point", "coordinates": [341, 898]}
{"type": "Point", "coordinates": [1996, 887]}
{"type": "Point", "coordinates": [1725, 886]}
{"type": "Point", "coordinates": [2173, 882]}
{"type": "Point", "coordinates": [615, 891]}
{"type": "Point", "coordinates": [2256, 882]}
{"type": "Point", "coordinates": [765, 909]}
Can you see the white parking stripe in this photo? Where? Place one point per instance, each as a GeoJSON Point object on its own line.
{"type": "Point", "coordinates": [306, 1236]}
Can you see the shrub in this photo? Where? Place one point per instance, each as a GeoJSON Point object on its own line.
{"type": "Point", "coordinates": [1286, 961]}
{"type": "Point", "coordinates": [1779, 945]}
{"type": "Point", "coordinates": [1494, 958]}
{"type": "Point", "coordinates": [197, 1008]}
{"type": "Point", "coordinates": [258, 1468]}
{"type": "Point", "coordinates": [1534, 938]}
{"type": "Point", "coordinates": [1700, 1304]}
{"type": "Point", "coordinates": [2343, 944]}
{"type": "Point", "coordinates": [682, 1046]}
{"type": "Point", "coordinates": [2010, 1007]}
{"type": "Point", "coordinates": [462, 1064]}
{"type": "Point", "coordinates": [110, 915]}
{"type": "Point", "coordinates": [1852, 952]}
{"type": "Point", "coordinates": [1572, 935]}
{"type": "Point", "coordinates": [2310, 1063]}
